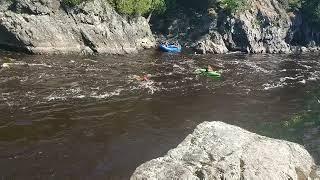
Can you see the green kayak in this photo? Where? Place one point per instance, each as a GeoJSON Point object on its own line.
{"type": "Point", "coordinates": [208, 73]}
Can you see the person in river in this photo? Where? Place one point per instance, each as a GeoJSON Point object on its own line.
{"type": "Point", "coordinates": [209, 69]}
{"type": "Point", "coordinates": [141, 78]}
{"type": "Point", "coordinates": [145, 77]}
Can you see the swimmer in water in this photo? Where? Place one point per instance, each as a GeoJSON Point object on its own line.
{"type": "Point", "coordinates": [209, 69]}
{"type": "Point", "coordinates": [145, 78]}
{"type": "Point", "coordinates": [141, 78]}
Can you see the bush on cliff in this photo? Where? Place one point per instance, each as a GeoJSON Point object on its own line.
{"type": "Point", "coordinates": [310, 10]}
{"type": "Point", "coordinates": [139, 7]}
{"type": "Point", "coordinates": [230, 6]}
{"type": "Point", "coordinates": [233, 6]}
{"type": "Point", "coordinates": [132, 7]}
{"type": "Point", "coordinates": [291, 5]}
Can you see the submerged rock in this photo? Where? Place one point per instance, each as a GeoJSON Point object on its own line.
{"type": "Point", "coordinates": [48, 26]}
{"type": "Point", "coordinates": [216, 150]}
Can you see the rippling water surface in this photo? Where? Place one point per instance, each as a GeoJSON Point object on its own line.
{"type": "Point", "coordinates": [73, 117]}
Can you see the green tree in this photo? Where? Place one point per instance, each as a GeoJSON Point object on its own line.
{"type": "Point", "coordinates": [139, 7]}
{"type": "Point", "coordinates": [291, 5]}
{"type": "Point", "coordinates": [311, 12]}
{"type": "Point", "coordinates": [233, 6]}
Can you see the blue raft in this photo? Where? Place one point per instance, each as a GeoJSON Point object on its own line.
{"type": "Point", "coordinates": [170, 48]}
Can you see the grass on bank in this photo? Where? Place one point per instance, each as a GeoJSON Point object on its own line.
{"type": "Point", "coordinates": [131, 7]}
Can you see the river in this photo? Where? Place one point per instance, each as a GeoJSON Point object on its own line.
{"type": "Point", "coordinates": [87, 117]}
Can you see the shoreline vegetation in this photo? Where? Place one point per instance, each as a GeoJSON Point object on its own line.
{"type": "Point", "coordinates": [310, 9]}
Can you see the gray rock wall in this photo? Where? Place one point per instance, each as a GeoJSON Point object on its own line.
{"type": "Point", "coordinates": [216, 150]}
{"type": "Point", "coordinates": [264, 27]}
{"type": "Point", "coordinates": [47, 26]}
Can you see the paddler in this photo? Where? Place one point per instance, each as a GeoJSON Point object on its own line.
{"type": "Point", "coordinates": [209, 69]}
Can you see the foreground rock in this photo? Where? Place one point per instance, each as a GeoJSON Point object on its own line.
{"type": "Point", "coordinates": [216, 150]}
{"type": "Point", "coordinates": [48, 26]}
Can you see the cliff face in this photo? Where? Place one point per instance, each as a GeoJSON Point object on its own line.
{"type": "Point", "coordinates": [264, 27]}
{"type": "Point", "coordinates": [47, 26]}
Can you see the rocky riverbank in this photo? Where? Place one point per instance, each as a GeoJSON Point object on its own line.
{"type": "Point", "coordinates": [48, 26]}
{"type": "Point", "coordinates": [216, 150]}
{"type": "Point", "coordinates": [263, 27]}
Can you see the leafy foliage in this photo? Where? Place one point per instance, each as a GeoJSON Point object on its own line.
{"type": "Point", "coordinates": [139, 7]}
{"type": "Point", "coordinates": [233, 6]}
{"type": "Point", "coordinates": [310, 9]}
{"type": "Point", "coordinates": [132, 7]}
{"type": "Point", "coordinates": [291, 5]}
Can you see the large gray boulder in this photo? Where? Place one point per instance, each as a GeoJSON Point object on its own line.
{"type": "Point", "coordinates": [48, 26]}
{"type": "Point", "coordinates": [216, 150]}
{"type": "Point", "coordinates": [264, 28]}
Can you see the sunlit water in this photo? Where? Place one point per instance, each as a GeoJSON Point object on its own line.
{"type": "Point", "coordinates": [73, 117]}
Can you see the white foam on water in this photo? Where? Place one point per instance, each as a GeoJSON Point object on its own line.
{"type": "Point", "coordinates": [234, 62]}
{"type": "Point", "coordinates": [95, 88]}
{"type": "Point", "coordinates": [76, 94]}
{"type": "Point", "coordinates": [188, 78]}
{"type": "Point", "coordinates": [179, 67]}
{"type": "Point", "coordinates": [12, 65]}
{"type": "Point", "coordinates": [94, 69]}
{"type": "Point", "coordinates": [90, 60]}
{"type": "Point", "coordinates": [149, 85]}
{"type": "Point", "coordinates": [303, 81]}
{"type": "Point", "coordinates": [168, 74]}
{"type": "Point", "coordinates": [75, 90]}
{"type": "Point", "coordinates": [53, 98]}
{"type": "Point", "coordinates": [80, 96]}
{"type": "Point", "coordinates": [268, 86]}
{"type": "Point", "coordinates": [116, 92]}
{"type": "Point", "coordinates": [314, 76]}
{"type": "Point", "coordinates": [256, 67]}
{"type": "Point", "coordinates": [305, 66]}
{"type": "Point", "coordinates": [44, 65]}
{"type": "Point", "coordinates": [283, 79]}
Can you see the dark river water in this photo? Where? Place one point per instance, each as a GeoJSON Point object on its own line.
{"type": "Point", "coordinates": [75, 117]}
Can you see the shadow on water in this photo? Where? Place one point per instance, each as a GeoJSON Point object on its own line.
{"type": "Point", "coordinates": [71, 117]}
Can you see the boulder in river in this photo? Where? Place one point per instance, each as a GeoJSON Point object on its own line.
{"type": "Point", "coordinates": [216, 150]}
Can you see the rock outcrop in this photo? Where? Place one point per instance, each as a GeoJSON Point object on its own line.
{"type": "Point", "coordinates": [48, 26]}
{"type": "Point", "coordinates": [264, 27]}
{"type": "Point", "coordinates": [216, 150]}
